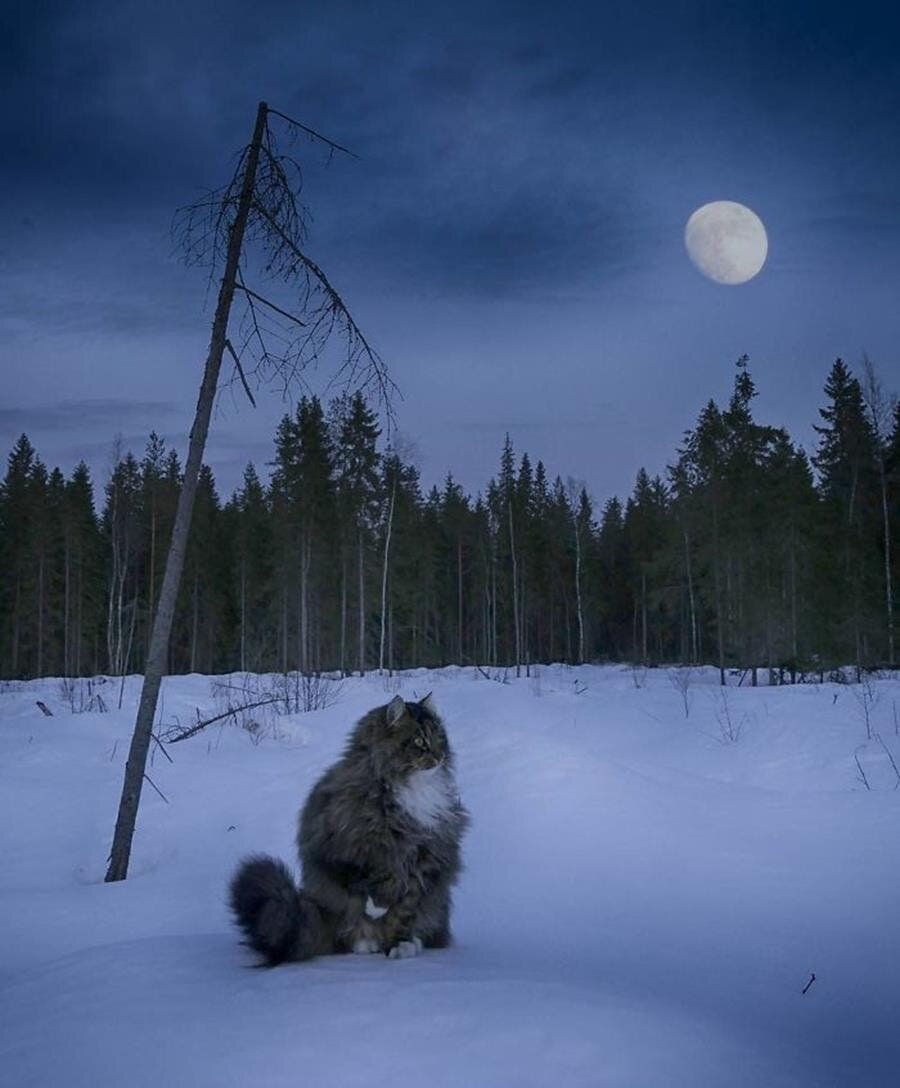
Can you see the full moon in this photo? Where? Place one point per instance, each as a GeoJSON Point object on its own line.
{"type": "Point", "coordinates": [726, 241]}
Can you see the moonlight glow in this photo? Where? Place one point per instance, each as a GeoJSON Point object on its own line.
{"type": "Point", "coordinates": [726, 241]}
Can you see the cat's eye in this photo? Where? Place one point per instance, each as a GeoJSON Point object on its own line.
{"type": "Point", "coordinates": [419, 742]}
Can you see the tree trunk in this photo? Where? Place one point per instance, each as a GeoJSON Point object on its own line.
{"type": "Point", "coordinates": [717, 583]}
{"type": "Point", "coordinates": [40, 617]}
{"type": "Point", "coordinates": [459, 602]}
{"type": "Point", "coordinates": [195, 609]}
{"type": "Point", "coordinates": [361, 602]}
{"type": "Point", "coordinates": [243, 615]}
{"type": "Point", "coordinates": [343, 653]}
{"type": "Point", "coordinates": [515, 581]}
{"type": "Point", "coordinates": [162, 624]}
{"type": "Point", "coordinates": [384, 576]}
{"type": "Point", "coordinates": [888, 587]}
{"type": "Point", "coordinates": [578, 593]}
{"type": "Point", "coordinates": [693, 605]}
{"type": "Point", "coordinates": [66, 610]}
{"type": "Point", "coordinates": [644, 617]}
{"type": "Point", "coordinates": [303, 654]}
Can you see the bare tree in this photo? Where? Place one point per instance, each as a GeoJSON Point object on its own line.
{"type": "Point", "coordinates": [394, 466]}
{"type": "Point", "coordinates": [260, 204]}
{"type": "Point", "coordinates": [579, 506]}
{"type": "Point", "coordinates": [880, 410]}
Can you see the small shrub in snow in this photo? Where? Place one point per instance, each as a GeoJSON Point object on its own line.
{"type": "Point", "coordinates": [866, 695]}
{"type": "Point", "coordinates": [301, 692]}
{"type": "Point", "coordinates": [681, 679]}
{"type": "Point", "coordinates": [83, 694]}
{"type": "Point", "coordinates": [731, 726]}
{"type": "Point", "coordinates": [638, 675]}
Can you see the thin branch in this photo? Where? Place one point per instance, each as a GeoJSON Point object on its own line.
{"type": "Point", "coordinates": [219, 717]}
{"type": "Point", "coordinates": [862, 773]}
{"type": "Point", "coordinates": [335, 309]}
{"type": "Point", "coordinates": [240, 370]}
{"type": "Point", "coordinates": [159, 745]}
{"type": "Point", "coordinates": [312, 132]}
{"type": "Point", "coordinates": [259, 298]}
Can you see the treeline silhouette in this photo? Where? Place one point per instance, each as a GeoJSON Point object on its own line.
{"type": "Point", "coordinates": [745, 554]}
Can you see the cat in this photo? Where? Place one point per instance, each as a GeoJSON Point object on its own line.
{"type": "Point", "coordinates": [379, 844]}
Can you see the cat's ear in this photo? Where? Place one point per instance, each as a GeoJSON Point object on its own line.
{"type": "Point", "coordinates": [396, 708]}
{"type": "Point", "coordinates": [428, 704]}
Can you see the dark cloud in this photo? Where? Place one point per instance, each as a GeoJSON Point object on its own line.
{"type": "Point", "coordinates": [109, 413]}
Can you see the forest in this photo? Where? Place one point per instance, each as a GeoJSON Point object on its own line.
{"type": "Point", "coordinates": [745, 553]}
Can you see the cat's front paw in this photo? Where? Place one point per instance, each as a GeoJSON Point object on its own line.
{"type": "Point", "coordinates": [405, 950]}
{"type": "Point", "coordinates": [365, 946]}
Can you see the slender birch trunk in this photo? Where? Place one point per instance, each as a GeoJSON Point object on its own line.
{"type": "Point", "coordinates": [243, 615]}
{"type": "Point", "coordinates": [384, 575]}
{"type": "Point", "coordinates": [578, 601]}
{"type": "Point", "coordinates": [515, 581]}
{"type": "Point", "coordinates": [361, 602]}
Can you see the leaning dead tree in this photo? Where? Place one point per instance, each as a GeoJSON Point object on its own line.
{"type": "Point", "coordinates": [258, 211]}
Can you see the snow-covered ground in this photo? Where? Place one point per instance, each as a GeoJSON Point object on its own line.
{"type": "Point", "coordinates": [644, 902]}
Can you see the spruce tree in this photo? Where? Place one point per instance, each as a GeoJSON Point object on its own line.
{"type": "Point", "coordinates": [845, 462]}
{"type": "Point", "coordinates": [16, 535]}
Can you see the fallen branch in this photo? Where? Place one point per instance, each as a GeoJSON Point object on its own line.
{"type": "Point", "coordinates": [862, 773]}
{"type": "Point", "coordinates": [158, 743]}
{"type": "Point", "coordinates": [45, 710]}
{"type": "Point", "coordinates": [230, 712]}
{"type": "Point", "coordinates": [812, 979]}
{"type": "Point", "coordinates": [497, 679]}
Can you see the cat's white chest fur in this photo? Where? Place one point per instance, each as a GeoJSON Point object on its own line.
{"type": "Point", "coordinates": [428, 796]}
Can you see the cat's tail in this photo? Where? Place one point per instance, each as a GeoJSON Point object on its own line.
{"type": "Point", "coordinates": [279, 920]}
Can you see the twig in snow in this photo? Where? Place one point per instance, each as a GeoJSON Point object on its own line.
{"type": "Point", "coordinates": [862, 773]}
{"type": "Point", "coordinates": [159, 745]}
{"type": "Point", "coordinates": [812, 979]}
{"type": "Point", "coordinates": [45, 710]}
{"type": "Point", "coordinates": [230, 712]}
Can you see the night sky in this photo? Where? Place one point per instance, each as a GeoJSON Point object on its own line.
{"type": "Point", "coordinates": [510, 238]}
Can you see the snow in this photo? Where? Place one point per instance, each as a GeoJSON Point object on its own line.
{"type": "Point", "coordinates": [643, 904]}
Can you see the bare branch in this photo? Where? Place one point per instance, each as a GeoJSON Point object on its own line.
{"type": "Point", "coordinates": [240, 370]}
{"type": "Point", "coordinates": [271, 305]}
{"type": "Point", "coordinates": [311, 132]}
{"type": "Point", "coordinates": [230, 712]}
{"type": "Point", "coordinates": [363, 366]}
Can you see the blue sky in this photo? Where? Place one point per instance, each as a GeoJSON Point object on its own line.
{"type": "Point", "coordinates": [510, 237]}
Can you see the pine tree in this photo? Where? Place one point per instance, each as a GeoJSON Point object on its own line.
{"type": "Point", "coordinates": [84, 576]}
{"type": "Point", "coordinates": [251, 543]}
{"type": "Point", "coordinates": [16, 535]}
{"type": "Point", "coordinates": [845, 461]}
{"type": "Point", "coordinates": [613, 598]}
{"type": "Point", "coordinates": [122, 533]}
{"type": "Point", "coordinates": [355, 430]}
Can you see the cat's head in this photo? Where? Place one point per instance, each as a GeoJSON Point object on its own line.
{"type": "Point", "coordinates": [415, 734]}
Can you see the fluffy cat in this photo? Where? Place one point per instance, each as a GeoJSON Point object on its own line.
{"type": "Point", "coordinates": [379, 843]}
